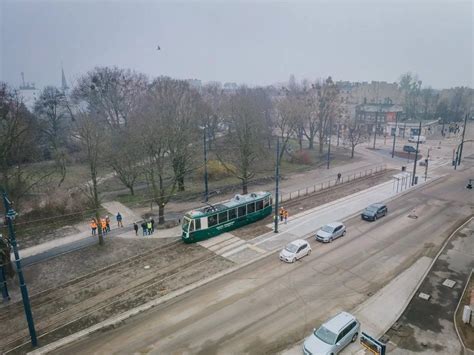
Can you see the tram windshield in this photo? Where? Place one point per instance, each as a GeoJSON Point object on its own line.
{"type": "Point", "coordinates": [186, 223]}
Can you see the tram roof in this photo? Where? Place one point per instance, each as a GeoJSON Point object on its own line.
{"type": "Point", "coordinates": [235, 201]}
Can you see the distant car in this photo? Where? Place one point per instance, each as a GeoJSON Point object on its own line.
{"type": "Point", "coordinates": [333, 336]}
{"type": "Point", "coordinates": [409, 149]}
{"type": "Point", "coordinates": [295, 250]}
{"type": "Point", "coordinates": [415, 139]}
{"type": "Point", "coordinates": [330, 232]}
{"type": "Point", "coordinates": [374, 211]}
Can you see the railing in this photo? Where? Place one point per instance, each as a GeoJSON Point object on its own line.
{"type": "Point", "coordinates": [320, 186]}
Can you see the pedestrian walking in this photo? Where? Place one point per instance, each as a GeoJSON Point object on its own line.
{"type": "Point", "coordinates": [152, 225]}
{"type": "Point", "coordinates": [286, 216]}
{"type": "Point", "coordinates": [338, 178]}
{"type": "Point", "coordinates": [135, 228]}
{"type": "Point", "coordinates": [149, 227]}
{"type": "Point", "coordinates": [103, 225]}
{"type": "Point", "coordinates": [93, 226]}
{"type": "Point", "coordinates": [281, 213]}
{"type": "Point", "coordinates": [144, 228]}
{"type": "Point", "coordinates": [107, 223]}
{"type": "Point", "coordinates": [119, 220]}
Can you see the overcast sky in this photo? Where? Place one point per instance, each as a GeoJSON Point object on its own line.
{"type": "Point", "coordinates": [253, 42]}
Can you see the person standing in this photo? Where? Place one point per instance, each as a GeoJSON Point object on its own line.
{"type": "Point", "coordinates": [103, 225]}
{"type": "Point", "coordinates": [135, 228]}
{"type": "Point", "coordinates": [281, 213]}
{"type": "Point", "coordinates": [93, 226]}
{"type": "Point", "coordinates": [149, 227]}
{"type": "Point", "coordinates": [152, 225]}
{"type": "Point", "coordinates": [119, 220]}
{"type": "Point", "coordinates": [144, 228]}
{"type": "Point", "coordinates": [338, 178]}
{"type": "Point", "coordinates": [285, 213]}
{"type": "Point", "coordinates": [107, 223]}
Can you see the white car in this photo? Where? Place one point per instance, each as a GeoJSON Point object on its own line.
{"type": "Point", "coordinates": [295, 250]}
{"type": "Point", "coordinates": [330, 232]}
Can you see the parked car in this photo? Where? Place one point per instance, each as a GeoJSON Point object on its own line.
{"type": "Point", "coordinates": [374, 211]}
{"type": "Point", "coordinates": [330, 232]}
{"type": "Point", "coordinates": [333, 336]}
{"type": "Point", "coordinates": [409, 149]}
{"type": "Point", "coordinates": [295, 250]}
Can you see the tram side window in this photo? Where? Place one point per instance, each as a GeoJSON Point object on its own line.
{"type": "Point", "coordinates": [251, 207]}
{"type": "Point", "coordinates": [266, 202]}
{"type": "Point", "coordinates": [223, 217]}
{"type": "Point", "coordinates": [259, 205]}
{"type": "Point", "coordinates": [232, 214]}
{"type": "Point", "coordinates": [191, 228]}
{"type": "Point", "coordinates": [197, 224]}
{"type": "Point", "coordinates": [242, 211]}
{"type": "Point", "coordinates": [212, 220]}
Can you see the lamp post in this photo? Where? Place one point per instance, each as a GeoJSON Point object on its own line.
{"type": "Point", "coordinates": [395, 134]}
{"type": "Point", "coordinates": [462, 139]}
{"type": "Point", "coordinates": [416, 156]}
{"type": "Point", "coordinates": [206, 187]}
{"type": "Point", "coordinates": [10, 216]}
{"type": "Point", "coordinates": [329, 145]}
{"type": "Point", "coordinates": [277, 178]}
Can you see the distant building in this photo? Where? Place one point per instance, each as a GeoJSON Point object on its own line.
{"type": "Point", "coordinates": [230, 86]}
{"type": "Point", "coordinates": [28, 93]}
{"type": "Point", "coordinates": [64, 87]}
{"type": "Point", "coordinates": [376, 116]}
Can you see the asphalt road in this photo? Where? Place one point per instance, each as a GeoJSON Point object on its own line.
{"type": "Point", "coordinates": [269, 305]}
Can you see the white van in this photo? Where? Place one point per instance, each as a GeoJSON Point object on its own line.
{"type": "Point", "coordinates": [414, 139]}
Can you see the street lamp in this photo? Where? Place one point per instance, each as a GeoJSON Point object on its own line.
{"type": "Point", "coordinates": [10, 216]}
{"type": "Point", "coordinates": [277, 178]}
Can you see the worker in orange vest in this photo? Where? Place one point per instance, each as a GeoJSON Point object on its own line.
{"type": "Point", "coordinates": [93, 226]}
{"type": "Point", "coordinates": [103, 224]}
{"type": "Point", "coordinates": [285, 213]}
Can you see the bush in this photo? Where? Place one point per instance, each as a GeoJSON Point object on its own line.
{"type": "Point", "coordinates": [216, 170]}
{"type": "Point", "coordinates": [302, 157]}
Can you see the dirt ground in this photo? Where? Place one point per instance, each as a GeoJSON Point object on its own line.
{"type": "Point", "coordinates": [313, 200]}
{"type": "Point", "coordinates": [466, 330]}
{"type": "Point", "coordinates": [76, 302]}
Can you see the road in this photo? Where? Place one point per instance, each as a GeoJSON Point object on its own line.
{"type": "Point", "coordinates": [267, 306]}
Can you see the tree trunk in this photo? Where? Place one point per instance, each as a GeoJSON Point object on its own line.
{"type": "Point", "coordinates": [180, 183]}
{"type": "Point", "coordinates": [161, 213]}
{"type": "Point", "coordinates": [352, 151]}
{"type": "Point", "coordinates": [132, 191]}
{"type": "Point", "coordinates": [311, 144]}
{"type": "Point", "coordinates": [244, 186]}
{"type": "Point", "coordinates": [321, 147]}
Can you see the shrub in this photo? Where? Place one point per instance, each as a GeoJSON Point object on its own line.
{"type": "Point", "coordinates": [216, 170]}
{"type": "Point", "coordinates": [302, 157]}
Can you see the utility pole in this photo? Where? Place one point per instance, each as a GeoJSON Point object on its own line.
{"type": "Point", "coordinates": [338, 134]}
{"type": "Point", "coordinates": [462, 141]}
{"type": "Point", "coordinates": [9, 216]}
{"type": "Point", "coordinates": [395, 134]}
{"type": "Point", "coordinates": [206, 187]}
{"type": "Point", "coordinates": [329, 145]}
{"type": "Point", "coordinates": [416, 156]}
{"type": "Point", "coordinates": [375, 129]}
{"type": "Point", "coordinates": [277, 178]}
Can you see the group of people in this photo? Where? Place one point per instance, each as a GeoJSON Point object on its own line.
{"type": "Point", "coordinates": [283, 215]}
{"type": "Point", "coordinates": [148, 227]}
{"type": "Point", "coordinates": [104, 224]}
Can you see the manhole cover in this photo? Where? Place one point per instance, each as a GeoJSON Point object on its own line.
{"type": "Point", "coordinates": [424, 296]}
{"type": "Point", "coordinates": [449, 283]}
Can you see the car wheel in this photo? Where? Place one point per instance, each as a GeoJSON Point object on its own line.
{"type": "Point", "coordinates": [354, 338]}
{"type": "Point", "coordinates": [330, 240]}
{"type": "Point", "coordinates": [343, 233]}
{"type": "Point", "coordinates": [309, 252]}
{"type": "Point", "coordinates": [293, 260]}
{"type": "Point", "coordinates": [385, 213]}
{"type": "Point", "coordinates": [375, 217]}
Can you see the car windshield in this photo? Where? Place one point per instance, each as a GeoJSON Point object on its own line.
{"type": "Point", "coordinates": [325, 335]}
{"type": "Point", "coordinates": [371, 209]}
{"type": "Point", "coordinates": [327, 229]}
{"type": "Point", "coordinates": [291, 248]}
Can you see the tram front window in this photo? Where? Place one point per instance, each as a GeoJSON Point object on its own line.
{"type": "Point", "coordinates": [186, 223]}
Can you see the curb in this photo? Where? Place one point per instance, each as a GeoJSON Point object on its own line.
{"type": "Point", "coordinates": [427, 271]}
{"type": "Point", "coordinates": [465, 349]}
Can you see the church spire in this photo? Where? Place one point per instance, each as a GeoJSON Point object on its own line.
{"type": "Point", "coordinates": [64, 86]}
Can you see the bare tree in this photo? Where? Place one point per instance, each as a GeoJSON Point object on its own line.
{"type": "Point", "coordinates": [53, 115]}
{"type": "Point", "coordinates": [110, 93]}
{"type": "Point", "coordinates": [355, 133]}
{"type": "Point", "coordinates": [244, 141]}
{"type": "Point", "coordinates": [89, 132]}
{"type": "Point", "coordinates": [410, 86]}
{"type": "Point", "coordinates": [286, 119]}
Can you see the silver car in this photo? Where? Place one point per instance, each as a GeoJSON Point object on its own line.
{"type": "Point", "coordinates": [333, 336]}
{"type": "Point", "coordinates": [330, 232]}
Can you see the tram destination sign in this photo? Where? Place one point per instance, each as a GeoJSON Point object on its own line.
{"type": "Point", "coordinates": [371, 344]}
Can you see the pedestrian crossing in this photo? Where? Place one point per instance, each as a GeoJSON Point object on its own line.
{"type": "Point", "coordinates": [228, 244]}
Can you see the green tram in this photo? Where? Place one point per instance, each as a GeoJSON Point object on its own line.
{"type": "Point", "coordinates": [212, 220]}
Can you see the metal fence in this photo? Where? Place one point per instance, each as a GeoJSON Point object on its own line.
{"type": "Point", "coordinates": [323, 185]}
